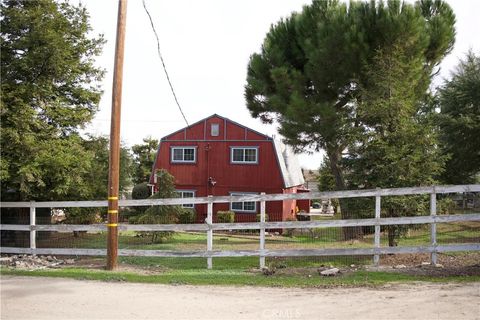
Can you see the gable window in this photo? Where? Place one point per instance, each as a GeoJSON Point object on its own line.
{"type": "Point", "coordinates": [215, 130]}
{"type": "Point", "coordinates": [244, 155]}
{"type": "Point", "coordinates": [245, 206]}
{"type": "Point", "coordinates": [186, 194]}
{"type": "Point", "coordinates": [183, 154]}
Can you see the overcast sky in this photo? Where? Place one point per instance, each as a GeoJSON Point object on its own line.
{"type": "Point", "coordinates": [206, 45]}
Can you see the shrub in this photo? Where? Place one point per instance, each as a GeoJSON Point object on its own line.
{"type": "Point", "coordinates": [226, 216]}
{"type": "Point", "coordinates": [83, 216]}
{"type": "Point", "coordinates": [160, 214]}
{"type": "Point", "coordinates": [258, 217]}
{"type": "Point", "coordinates": [187, 216]}
{"type": "Point", "coordinates": [445, 206]}
{"type": "Point", "coordinates": [141, 191]}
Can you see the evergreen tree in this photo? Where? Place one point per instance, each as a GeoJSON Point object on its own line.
{"type": "Point", "coordinates": [459, 120]}
{"type": "Point", "coordinates": [143, 158]}
{"type": "Point", "coordinates": [398, 145]}
{"type": "Point", "coordinates": [312, 65]}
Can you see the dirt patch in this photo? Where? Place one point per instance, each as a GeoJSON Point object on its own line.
{"type": "Point", "coordinates": [449, 264]}
{"type": "Point", "coordinates": [423, 270]}
{"type": "Point", "coordinates": [456, 260]}
{"type": "Point", "coordinates": [455, 264]}
{"type": "Point", "coordinates": [99, 264]}
{"type": "Point", "coordinates": [34, 262]}
{"type": "Point", "coordinates": [440, 272]}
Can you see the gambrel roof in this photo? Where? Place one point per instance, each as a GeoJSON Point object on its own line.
{"type": "Point", "coordinates": [286, 158]}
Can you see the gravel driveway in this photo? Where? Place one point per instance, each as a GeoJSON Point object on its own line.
{"type": "Point", "coordinates": [52, 298]}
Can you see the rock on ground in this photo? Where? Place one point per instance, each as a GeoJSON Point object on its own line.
{"type": "Point", "coordinates": [33, 262]}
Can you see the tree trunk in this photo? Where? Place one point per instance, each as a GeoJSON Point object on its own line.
{"type": "Point", "coordinates": [391, 236]}
{"type": "Point", "coordinates": [335, 157]}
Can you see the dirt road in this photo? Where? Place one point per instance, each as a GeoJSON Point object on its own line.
{"type": "Point", "coordinates": [50, 298]}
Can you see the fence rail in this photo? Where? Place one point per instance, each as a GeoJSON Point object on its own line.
{"type": "Point", "coordinates": [252, 197]}
{"type": "Point", "coordinates": [249, 225]}
{"type": "Point", "coordinates": [209, 226]}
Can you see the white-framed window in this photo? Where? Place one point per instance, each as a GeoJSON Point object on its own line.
{"type": "Point", "coordinates": [186, 194]}
{"type": "Point", "coordinates": [244, 155]}
{"type": "Point", "coordinates": [215, 130]}
{"type": "Point", "coordinates": [245, 206]}
{"type": "Point", "coordinates": [183, 154]}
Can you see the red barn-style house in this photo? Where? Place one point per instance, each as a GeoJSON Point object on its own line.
{"type": "Point", "coordinates": [217, 156]}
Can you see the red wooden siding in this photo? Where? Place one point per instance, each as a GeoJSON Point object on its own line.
{"type": "Point", "coordinates": [213, 161]}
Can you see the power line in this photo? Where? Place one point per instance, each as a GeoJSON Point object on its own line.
{"type": "Point", "coordinates": [134, 120]}
{"type": "Point", "coordinates": [163, 63]}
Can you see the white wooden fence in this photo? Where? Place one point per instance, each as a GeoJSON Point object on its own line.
{"type": "Point", "coordinates": [209, 227]}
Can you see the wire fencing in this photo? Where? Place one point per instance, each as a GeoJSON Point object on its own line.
{"type": "Point", "coordinates": [364, 224]}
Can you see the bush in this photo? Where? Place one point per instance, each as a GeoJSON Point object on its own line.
{"type": "Point", "coordinates": [187, 216]}
{"type": "Point", "coordinates": [226, 216]}
{"type": "Point", "coordinates": [160, 214]}
{"type": "Point", "coordinates": [445, 206]}
{"type": "Point", "coordinates": [258, 217]}
{"type": "Point", "coordinates": [83, 215]}
{"type": "Point", "coordinates": [157, 215]}
{"type": "Point", "coordinates": [141, 191]}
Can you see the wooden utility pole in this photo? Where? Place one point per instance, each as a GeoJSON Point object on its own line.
{"type": "Point", "coordinates": [114, 161]}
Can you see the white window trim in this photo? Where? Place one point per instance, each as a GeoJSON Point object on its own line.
{"type": "Point", "coordinates": [172, 148]}
{"type": "Point", "coordinates": [186, 205]}
{"type": "Point", "coordinates": [242, 202]}
{"type": "Point", "coordinates": [244, 148]}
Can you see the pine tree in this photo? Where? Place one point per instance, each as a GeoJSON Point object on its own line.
{"type": "Point", "coordinates": [398, 147]}
{"type": "Point", "coordinates": [314, 66]}
{"type": "Point", "coordinates": [459, 120]}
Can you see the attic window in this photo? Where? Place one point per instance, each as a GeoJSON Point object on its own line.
{"type": "Point", "coordinates": [215, 129]}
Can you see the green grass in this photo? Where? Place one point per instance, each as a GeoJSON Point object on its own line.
{"type": "Point", "coordinates": [457, 232]}
{"type": "Point", "coordinates": [239, 270]}
{"type": "Point", "coordinates": [465, 232]}
{"type": "Point", "coordinates": [183, 264]}
{"type": "Point", "coordinates": [243, 263]}
{"type": "Point", "coordinates": [240, 278]}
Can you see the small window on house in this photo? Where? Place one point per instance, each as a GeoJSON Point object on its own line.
{"type": "Point", "coordinates": [244, 155]}
{"type": "Point", "coordinates": [183, 154]}
{"type": "Point", "coordinates": [215, 129]}
{"type": "Point", "coordinates": [186, 194]}
{"type": "Point", "coordinates": [245, 206]}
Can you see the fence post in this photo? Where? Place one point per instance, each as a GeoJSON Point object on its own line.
{"type": "Point", "coordinates": [433, 226]}
{"type": "Point", "coordinates": [262, 232]}
{"type": "Point", "coordinates": [210, 231]}
{"type": "Point", "coordinates": [376, 257]}
{"type": "Point", "coordinates": [33, 233]}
